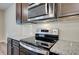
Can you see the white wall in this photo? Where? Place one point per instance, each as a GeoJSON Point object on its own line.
{"type": "Point", "coordinates": [12, 29]}
{"type": "Point", "coordinates": [2, 31]}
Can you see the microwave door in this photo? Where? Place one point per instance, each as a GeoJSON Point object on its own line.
{"type": "Point", "coordinates": [37, 11]}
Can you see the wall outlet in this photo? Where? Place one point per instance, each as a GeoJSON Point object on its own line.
{"type": "Point", "coordinates": [55, 31]}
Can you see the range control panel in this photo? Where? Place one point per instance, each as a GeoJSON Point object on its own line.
{"type": "Point", "coordinates": [47, 31]}
{"type": "Point", "coordinates": [46, 37]}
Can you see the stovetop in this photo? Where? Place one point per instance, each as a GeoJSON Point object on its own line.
{"type": "Point", "coordinates": [32, 41]}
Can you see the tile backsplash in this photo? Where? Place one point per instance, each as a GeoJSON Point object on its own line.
{"type": "Point", "coordinates": [68, 30]}
{"type": "Point", "coordinates": [30, 29]}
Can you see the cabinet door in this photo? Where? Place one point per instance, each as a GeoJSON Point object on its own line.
{"type": "Point", "coordinates": [18, 13]}
{"type": "Point", "coordinates": [66, 9]}
{"type": "Point", "coordinates": [15, 45]}
{"type": "Point", "coordinates": [15, 42]}
{"type": "Point", "coordinates": [9, 46]}
{"type": "Point", "coordinates": [15, 50]}
{"type": "Point", "coordinates": [24, 12]}
{"type": "Point", "coordinates": [21, 12]}
{"type": "Point", "coordinates": [22, 50]}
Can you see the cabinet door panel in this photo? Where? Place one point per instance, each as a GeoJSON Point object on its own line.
{"type": "Point", "coordinates": [24, 12]}
{"type": "Point", "coordinates": [15, 42]}
{"type": "Point", "coordinates": [18, 13]}
{"type": "Point", "coordinates": [9, 50]}
{"type": "Point", "coordinates": [15, 50]}
{"type": "Point", "coordinates": [9, 46]}
{"type": "Point", "coordinates": [15, 45]}
{"type": "Point", "coordinates": [21, 12]}
{"type": "Point", "coordinates": [66, 9]}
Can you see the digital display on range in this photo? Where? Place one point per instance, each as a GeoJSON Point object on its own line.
{"type": "Point", "coordinates": [44, 30]}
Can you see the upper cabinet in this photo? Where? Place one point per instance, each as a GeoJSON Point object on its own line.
{"type": "Point", "coordinates": [26, 12]}
{"type": "Point", "coordinates": [18, 13]}
{"type": "Point", "coordinates": [66, 9]}
{"type": "Point", "coordinates": [21, 12]}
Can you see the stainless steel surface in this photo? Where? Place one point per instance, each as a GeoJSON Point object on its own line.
{"type": "Point", "coordinates": [35, 4]}
{"type": "Point", "coordinates": [46, 38]}
{"type": "Point", "coordinates": [40, 18]}
{"type": "Point", "coordinates": [38, 42]}
{"type": "Point", "coordinates": [37, 11]}
{"type": "Point", "coordinates": [48, 11]}
{"type": "Point", "coordinates": [34, 49]}
{"type": "Point", "coordinates": [54, 31]}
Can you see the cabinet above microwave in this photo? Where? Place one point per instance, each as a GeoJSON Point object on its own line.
{"type": "Point", "coordinates": [41, 11]}
{"type": "Point", "coordinates": [67, 9]}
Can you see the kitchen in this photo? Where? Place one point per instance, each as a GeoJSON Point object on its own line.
{"type": "Point", "coordinates": [58, 22]}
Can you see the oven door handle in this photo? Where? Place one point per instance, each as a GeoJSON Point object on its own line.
{"type": "Point", "coordinates": [34, 49]}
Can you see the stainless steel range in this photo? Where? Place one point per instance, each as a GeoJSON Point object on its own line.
{"type": "Point", "coordinates": [39, 44]}
{"type": "Point", "coordinates": [46, 38]}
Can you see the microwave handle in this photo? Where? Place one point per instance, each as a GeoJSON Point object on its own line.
{"type": "Point", "coordinates": [47, 8]}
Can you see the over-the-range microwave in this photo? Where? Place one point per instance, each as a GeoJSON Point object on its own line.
{"type": "Point", "coordinates": [41, 11]}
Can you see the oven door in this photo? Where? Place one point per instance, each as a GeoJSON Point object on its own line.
{"type": "Point", "coordinates": [41, 11]}
{"type": "Point", "coordinates": [26, 49]}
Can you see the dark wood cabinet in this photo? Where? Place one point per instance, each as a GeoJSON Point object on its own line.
{"type": "Point", "coordinates": [9, 46]}
{"type": "Point", "coordinates": [67, 9]}
{"type": "Point", "coordinates": [24, 12]}
{"type": "Point", "coordinates": [18, 13]}
{"type": "Point", "coordinates": [15, 50]}
{"type": "Point", "coordinates": [21, 13]}
{"type": "Point", "coordinates": [22, 51]}
{"type": "Point", "coordinates": [12, 47]}
{"type": "Point", "coordinates": [15, 45]}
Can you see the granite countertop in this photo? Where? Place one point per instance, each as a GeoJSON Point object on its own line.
{"type": "Point", "coordinates": [18, 38]}
{"type": "Point", "coordinates": [64, 47]}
